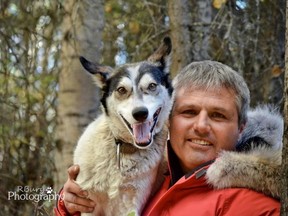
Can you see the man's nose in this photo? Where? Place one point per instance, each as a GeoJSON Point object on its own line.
{"type": "Point", "coordinates": [202, 125]}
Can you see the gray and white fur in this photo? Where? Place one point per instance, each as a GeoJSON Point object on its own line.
{"type": "Point", "coordinates": [120, 154]}
{"type": "Point", "coordinates": [257, 162]}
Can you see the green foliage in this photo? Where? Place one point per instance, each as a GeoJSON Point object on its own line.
{"type": "Point", "coordinates": [133, 29]}
{"type": "Point", "coordinates": [29, 44]}
{"type": "Point", "coordinates": [250, 37]}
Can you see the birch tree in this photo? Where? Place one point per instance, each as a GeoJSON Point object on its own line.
{"type": "Point", "coordinates": [190, 25]}
{"type": "Point", "coordinates": [180, 25]}
{"type": "Point", "coordinates": [78, 97]}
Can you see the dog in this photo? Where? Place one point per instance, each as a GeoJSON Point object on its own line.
{"type": "Point", "coordinates": [121, 153]}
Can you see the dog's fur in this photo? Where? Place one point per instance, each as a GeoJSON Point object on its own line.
{"type": "Point", "coordinates": [136, 104]}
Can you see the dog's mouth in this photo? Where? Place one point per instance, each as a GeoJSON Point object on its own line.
{"type": "Point", "coordinates": [142, 132]}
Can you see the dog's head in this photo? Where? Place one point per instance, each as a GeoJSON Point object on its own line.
{"type": "Point", "coordinates": [137, 96]}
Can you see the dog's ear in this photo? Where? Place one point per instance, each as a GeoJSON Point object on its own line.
{"type": "Point", "coordinates": [161, 55]}
{"type": "Point", "coordinates": [100, 73]}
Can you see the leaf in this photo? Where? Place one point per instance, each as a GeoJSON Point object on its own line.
{"type": "Point", "coordinates": [134, 27]}
{"type": "Point", "coordinates": [276, 71]}
{"type": "Point", "coordinates": [108, 8]}
{"type": "Point", "coordinates": [133, 213]}
{"type": "Point", "coordinates": [218, 3]}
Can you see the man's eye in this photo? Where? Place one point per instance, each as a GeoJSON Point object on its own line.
{"type": "Point", "coordinates": [218, 115]}
{"type": "Point", "coordinates": [189, 112]}
{"type": "Point", "coordinates": [121, 90]}
{"type": "Point", "coordinates": [152, 86]}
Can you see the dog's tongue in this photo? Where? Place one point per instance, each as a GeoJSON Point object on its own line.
{"type": "Point", "coordinates": [141, 132]}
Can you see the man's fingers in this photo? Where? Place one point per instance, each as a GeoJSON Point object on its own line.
{"type": "Point", "coordinates": [72, 187]}
{"type": "Point", "coordinates": [73, 208]}
{"type": "Point", "coordinates": [74, 203]}
{"type": "Point", "coordinates": [73, 172]}
{"type": "Point", "coordinates": [72, 198]}
{"type": "Point", "coordinates": [75, 199]}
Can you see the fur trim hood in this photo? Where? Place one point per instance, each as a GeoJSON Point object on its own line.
{"type": "Point", "coordinates": [257, 162]}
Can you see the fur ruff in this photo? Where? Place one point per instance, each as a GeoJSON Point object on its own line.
{"type": "Point", "coordinates": [257, 163]}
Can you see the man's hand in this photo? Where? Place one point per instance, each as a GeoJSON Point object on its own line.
{"type": "Point", "coordinates": [75, 199]}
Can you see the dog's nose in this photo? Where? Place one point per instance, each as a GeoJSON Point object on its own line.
{"type": "Point", "coordinates": [140, 113]}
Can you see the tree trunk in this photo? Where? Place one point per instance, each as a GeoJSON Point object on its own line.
{"type": "Point", "coordinates": [180, 25]}
{"type": "Point", "coordinates": [78, 97]}
{"type": "Point", "coordinates": [201, 29]}
{"type": "Point", "coordinates": [284, 183]}
{"type": "Point", "coordinates": [190, 26]}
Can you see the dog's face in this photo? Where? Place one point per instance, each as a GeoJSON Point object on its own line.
{"type": "Point", "coordinates": [139, 97]}
{"type": "Point", "coordinates": [136, 97]}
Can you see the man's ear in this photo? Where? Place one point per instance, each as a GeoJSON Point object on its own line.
{"type": "Point", "coordinates": [241, 128]}
{"type": "Point", "coordinates": [100, 72]}
{"type": "Point", "coordinates": [162, 55]}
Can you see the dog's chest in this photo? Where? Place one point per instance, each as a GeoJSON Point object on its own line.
{"type": "Point", "coordinates": [128, 190]}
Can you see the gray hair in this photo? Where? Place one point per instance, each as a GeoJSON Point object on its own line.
{"type": "Point", "coordinates": [212, 75]}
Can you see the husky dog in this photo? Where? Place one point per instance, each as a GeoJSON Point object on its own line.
{"type": "Point", "coordinates": [121, 152]}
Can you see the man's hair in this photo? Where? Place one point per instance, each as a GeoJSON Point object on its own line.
{"type": "Point", "coordinates": [214, 75]}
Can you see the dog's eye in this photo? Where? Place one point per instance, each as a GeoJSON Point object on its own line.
{"type": "Point", "coordinates": [121, 90]}
{"type": "Point", "coordinates": [152, 86]}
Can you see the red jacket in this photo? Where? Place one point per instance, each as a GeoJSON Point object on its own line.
{"type": "Point", "coordinates": [191, 195]}
{"type": "Point", "coordinates": [60, 209]}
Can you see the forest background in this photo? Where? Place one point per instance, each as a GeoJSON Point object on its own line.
{"type": "Point", "coordinates": [47, 99]}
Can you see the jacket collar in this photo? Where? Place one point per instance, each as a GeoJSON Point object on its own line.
{"type": "Point", "coordinates": [174, 165]}
{"type": "Point", "coordinates": [176, 170]}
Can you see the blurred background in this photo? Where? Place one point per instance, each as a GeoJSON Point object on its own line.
{"type": "Point", "coordinates": [47, 99]}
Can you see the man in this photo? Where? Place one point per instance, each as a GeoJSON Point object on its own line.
{"type": "Point", "coordinates": [208, 116]}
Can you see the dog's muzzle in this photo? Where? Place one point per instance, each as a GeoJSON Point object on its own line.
{"type": "Point", "coordinates": [142, 132]}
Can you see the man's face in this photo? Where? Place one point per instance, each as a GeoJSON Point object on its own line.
{"type": "Point", "coordinates": [202, 123]}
